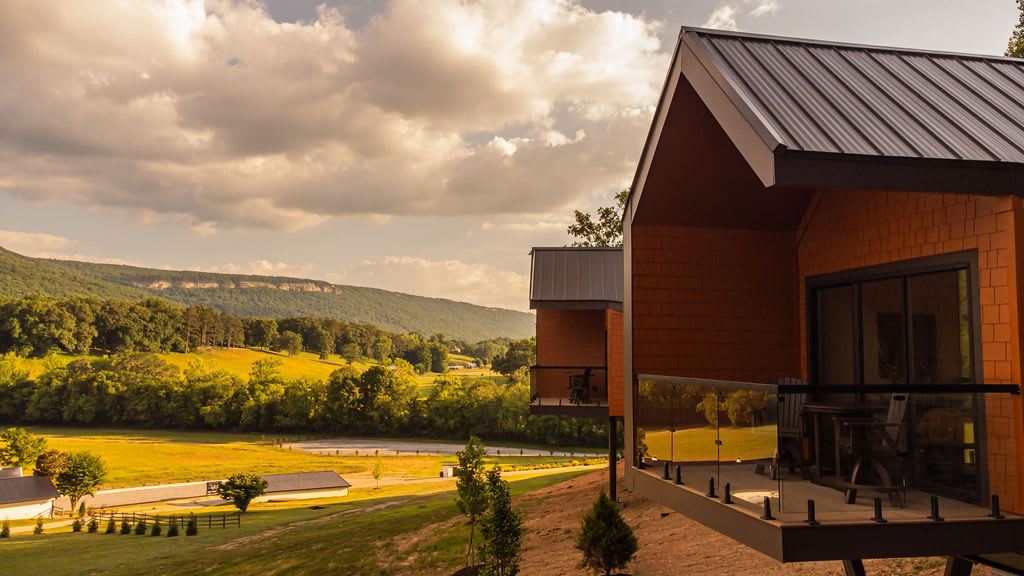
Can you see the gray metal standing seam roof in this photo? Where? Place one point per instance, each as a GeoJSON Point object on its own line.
{"type": "Point", "coordinates": [865, 100]}
{"type": "Point", "coordinates": [576, 275]}
{"type": "Point", "coordinates": [321, 480]}
{"type": "Point", "coordinates": [25, 489]}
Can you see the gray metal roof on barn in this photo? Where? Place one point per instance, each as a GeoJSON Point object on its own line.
{"type": "Point", "coordinates": [322, 480]}
{"type": "Point", "coordinates": [863, 100]}
{"type": "Point", "coordinates": [26, 489]}
{"type": "Point", "coordinates": [576, 277]}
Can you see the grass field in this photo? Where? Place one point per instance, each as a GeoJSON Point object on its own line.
{"type": "Point", "coordinates": [146, 457]}
{"type": "Point", "coordinates": [379, 532]}
{"type": "Point", "coordinates": [239, 361]}
{"type": "Point", "coordinates": [698, 444]}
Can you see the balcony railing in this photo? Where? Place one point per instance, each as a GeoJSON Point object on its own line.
{"type": "Point", "coordinates": [568, 386]}
{"type": "Point", "coordinates": [826, 454]}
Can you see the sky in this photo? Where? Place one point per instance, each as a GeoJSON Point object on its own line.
{"type": "Point", "coordinates": [422, 146]}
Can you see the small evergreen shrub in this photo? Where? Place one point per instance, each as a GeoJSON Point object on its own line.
{"type": "Point", "coordinates": [81, 509]}
{"type": "Point", "coordinates": [76, 526]}
{"type": "Point", "coordinates": [140, 527]}
{"type": "Point", "coordinates": [156, 531]}
{"type": "Point", "coordinates": [126, 528]}
{"type": "Point", "coordinates": [39, 526]}
{"type": "Point", "coordinates": [193, 526]}
{"type": "Point", "coordinates": [5, 531]}
{"type": "Point", "coordinates": [172, 530]}
{"type": "Point", "coordinates": [94, 525]}
{"type": "Point", "coordinates": [607, 542]}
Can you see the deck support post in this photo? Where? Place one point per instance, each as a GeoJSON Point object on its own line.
{"type": "Point", "coordinates": [613, 450]}
{"type": "Point", "coordinates": [957, 566]}
{"type": "Point", "coordinates": [854, 567]}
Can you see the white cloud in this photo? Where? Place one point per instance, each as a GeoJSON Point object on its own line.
{"type": "Point", "coordinates": [481, 284]}
{"type": "Point", "coordinates": [33, 244]}
{"type": "Point", "coordinates": [762, 7]}
{"type": "Point", "coordinates": [216, 115]}
{"type": "Point", "coordinates": [262, 268]}
{"type": "Point", "coordinates": [723, 18]}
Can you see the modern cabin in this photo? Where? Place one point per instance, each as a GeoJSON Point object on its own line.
{"type": "Point", "coordinates": [821, 301]}
{"type": "Point", "coordinates": [577, 293]}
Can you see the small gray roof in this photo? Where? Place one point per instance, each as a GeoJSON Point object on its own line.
{"type": "Point", "coordinates": [576, 278]}
{"type": "Point", "coordinates": [323, 479]}
{"type": "Point", "coordinates": [865, 100]}
{"type": "Point", "coordinates": [25, 489]}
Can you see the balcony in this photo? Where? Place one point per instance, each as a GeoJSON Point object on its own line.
{"type": "Point", "coordinates": [827, 472]}
{"type": "Point", "coordinates": [580, 391]}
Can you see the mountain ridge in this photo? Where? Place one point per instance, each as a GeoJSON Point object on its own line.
{"type": "Point", "coordinates": [251, 295]}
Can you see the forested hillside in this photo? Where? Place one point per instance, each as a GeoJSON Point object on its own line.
{"type": "Point", "coordinates": [261, 297]}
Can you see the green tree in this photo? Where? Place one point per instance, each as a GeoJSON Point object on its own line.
{"type": "Point", "coordinates": [501, 529]}
{"type": "Point", "coordinates": [1015, 47]}
{"type": "Point", "coordinates": [19, 448]}
{"type": "Point", "coordinates": [241, 488]}
{"type": "Point", "coordinates": [438, 357]}
{"type": "Point", "coordinates": [378, 473]}
{"type": "Point", "coordinates": [81, 477]}
{"type": "Point", "coordinates": [603, 230]}
{"type": "Point", "coordinates": [607, 542]}
{"type": "Point", "coordinates": [471, 488]}
{"type": "Point", "coordinates": [259, 332]}
{"type": "Point", "coordinates": [382, 348]}
{"type": "Point", "coordinates": [520, 353]}
{"type": "Point", "coordinates": [320, 342]}
{"type": "Point", "coordinates": [351, 352]}
{"type": "Point", "coordinates": [289, 342]}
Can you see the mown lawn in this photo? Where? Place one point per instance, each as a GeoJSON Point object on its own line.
{"type": "Point", "coordinates": [380, 532]}
{"type": "Point", "coordinates": [145, 457]}
{"type": "Point", "coordinates": [239, 361]}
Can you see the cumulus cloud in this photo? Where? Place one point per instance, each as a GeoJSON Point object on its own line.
{"type": "Point", "coordinates": [262, 268]}
{"type": "Point", "coordinates": [481, 284]}
{"type": "Point", "coordinates": [214, 114]}
{"type": "Point", "coordinates": [723, 18]}
{"type": "Point", "coordinates": [762, 7]}
{"type": "Point", "coordinates": [33, 244]}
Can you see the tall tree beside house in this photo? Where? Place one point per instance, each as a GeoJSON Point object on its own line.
{"type": "Point", "coordinates": [81, 476]}
{"type": "Point", "coordinates": [471, 488]}
{"type": "Point", "coordinates": [1016, 46]}
{"type": "Point", "coordinates": [19, 448]}
{"type": "Point", "coordinates": [520, 353]}
{"type": "Point", "coordinates": [602, 230]}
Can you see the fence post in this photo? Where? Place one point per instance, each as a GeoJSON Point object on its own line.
{"type": "Point", "coordinates": [223, 520]}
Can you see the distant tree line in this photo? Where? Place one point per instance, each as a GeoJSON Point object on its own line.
{"type": "Point", "coordinates": [141, 389]}
{"type": "Point", "coordinates": [39, 326]}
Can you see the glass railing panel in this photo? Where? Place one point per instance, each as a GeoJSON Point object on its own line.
{"type": "Point", "coordinates": [903, 447]}
{"type": "Point", "coordinates": [748, 444]}
{"type": "Point", "coordinates": [569, 385]}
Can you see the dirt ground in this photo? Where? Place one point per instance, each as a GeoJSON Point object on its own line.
{"type": "Point", "coordinates": [670, 544]}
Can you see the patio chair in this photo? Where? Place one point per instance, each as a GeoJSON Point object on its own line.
{"type": "Point", "coordinates": [876, 447]}
{"type": "Point", "coordinates": [791, 428]}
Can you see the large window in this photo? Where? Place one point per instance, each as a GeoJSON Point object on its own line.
{"type": "Point", "coordinates": [908, 326]}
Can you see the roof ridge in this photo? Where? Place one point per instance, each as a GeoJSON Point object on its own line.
{"type": "Point", "coordinates": [851, 45]}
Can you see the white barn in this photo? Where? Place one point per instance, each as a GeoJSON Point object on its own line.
{"type": "Point", "coordinates": [23, 497]}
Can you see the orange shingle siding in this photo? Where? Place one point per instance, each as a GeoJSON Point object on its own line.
{"type": "Point", "coordinates": [568, 338]}
{"type": "Point", "coordinates": [714, 303]}
{"type": "Point", "coordinates": [853, 229]}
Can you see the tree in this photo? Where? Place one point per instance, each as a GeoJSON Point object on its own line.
{"type": "Point", "coordinates": [470, 488]}
{"type": "Point", "coordinates": [241, 488]}
{"type": "Point", "coordinates": [605, 230]}
{"type": "Point", "coordinates": [19, 448]}
{"type": "Point", "coordinates": [81, 477]}
{"type": "Point", "coordinates": [607, 542]}
{"type": "Point", "coordinates": [501, 529]}
{"type": "Point", "coordinates": [259, 332]}
{"type": "Point", "coordinates": [1016, 45]}
{"type": "Point", "coordinates": [289, 342]}
{"type": "Point", "coordinates": [351, 352]}
{"type": "Point", "coordinates": [520, 353]}
{"type": "Point", "coordinates": [377, 473]}
{"type": "Point", "coordinates": [321, 342]}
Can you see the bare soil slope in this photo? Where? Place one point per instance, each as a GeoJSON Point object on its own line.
{"type": "Point", "coordinates": [670, 544]}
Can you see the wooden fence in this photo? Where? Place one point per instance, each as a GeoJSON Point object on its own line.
{"type": "Point", "coordinates": [222, 520]}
